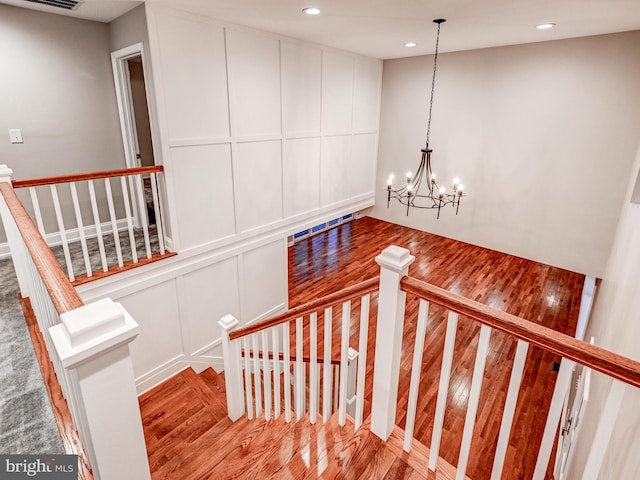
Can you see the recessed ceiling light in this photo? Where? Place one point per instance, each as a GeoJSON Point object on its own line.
{"type": "Point", "coordinates": [544, 26]}
{"type": "Point", "coordinates": [410, 44]}
{"type": "Point", "coordinates": [311, 11]}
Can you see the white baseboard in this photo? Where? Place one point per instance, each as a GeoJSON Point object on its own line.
{"type": "Point", "coordinates": [155, 377]}
{"type": "Point", "coordinates": [73, 235]}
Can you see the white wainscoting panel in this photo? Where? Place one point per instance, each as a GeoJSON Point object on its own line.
{"type": "Point", "coordinates": [203, 184]}
{"type": "Point", "coordinates": [333, 169]}
{"type": "Point", "coordinates": [337, 90]}
{"type": "Point", "coordinates": [194, 77]}
{"type": "Point", "coordinates": [209, 294]}
{"type": "Point", "coordinates": [254, 83]}
{"type": "Point", "coordinates": [361, 168]}
{"type": "Point", "coordinates": [257, 176]}
{"type": "Point", "coordinates": [160, 339]}
{"type": "Point", "coordinates": [301, 176]}
{"type": "Point", "coordinates": [264, 279]}
{"type": "Point", "coordinates": [301, 87]}
{"type": "Point", "coordinates": [366, 94]}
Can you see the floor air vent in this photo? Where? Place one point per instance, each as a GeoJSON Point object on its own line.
{"type": "Point", "coordinates": [66, 4]}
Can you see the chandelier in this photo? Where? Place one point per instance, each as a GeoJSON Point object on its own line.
{"type": "Point", "coordinates": [422, 190]}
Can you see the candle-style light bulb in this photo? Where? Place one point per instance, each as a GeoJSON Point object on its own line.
{"type": "Point", "coordinates": [409, 188]}
{"type": "Point", "coordinates": [389, 181]}
{"type": "Point", "coordinates": [456, 180]}
{"type": "Point", "coordinates": [460, 188]}
{"type": "Point", "coordinates": [442, 190]}
{"type": "Point", "coordinates": [391, 176]}
{"type": "Point", "coordinates": [409, 175]}
{"type": "Point", "coordinates": [433, 176]}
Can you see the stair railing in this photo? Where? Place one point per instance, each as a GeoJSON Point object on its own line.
{"type": "Point", "coordinates": [120, 208]}
{"type": "Point", "coordinates": [88, 346]}
{"type": "Point", "coordinates": [305, 347]}
{"type": "Point", "coordinates": [395, 285]}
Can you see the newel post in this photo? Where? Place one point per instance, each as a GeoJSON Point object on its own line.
{"type": "Point", "coordinates": [394, 262]}
{"type": "Point", "coordinates": [92, 343]}
{"type": "Point", "coordinates": [14, 239]}
{"type": "Point", "coordinates": [232, 368]}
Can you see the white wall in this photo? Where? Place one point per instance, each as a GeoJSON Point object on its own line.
{"type": "Point", "coordinates": [614, 324]}
{"type": "Point", "coordinates": [259, 132]}
{"type": "Point", "coordinates": [542, 135]}
{"type": "Point", "coordinates": [261, 137]}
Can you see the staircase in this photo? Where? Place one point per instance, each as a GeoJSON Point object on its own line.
{"type": "Point", "coordinates": [190, 437]}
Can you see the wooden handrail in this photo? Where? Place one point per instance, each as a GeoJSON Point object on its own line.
{"type": "Point", "coordinates": [597, 358]}
{"type": "Point", "coordinates": [361, 288]}
{"type": "Point", "coordinates": [79, 177]}
{"type": "Point", "coordinates": [62, 293]}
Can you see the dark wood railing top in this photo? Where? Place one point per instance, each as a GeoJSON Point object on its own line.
{"type": "Point", "coordinates": [361, 288]}
{"type": "Point", "coordinates": [597, 358]}
{"type": "Point", "coordinates": [62, 293]}
{"type": "Point", "coordinates": [79, 177]}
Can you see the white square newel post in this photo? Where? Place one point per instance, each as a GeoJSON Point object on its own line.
{"type": "Point", "coordinates": [394, 262]}
{"type": "Point", "coordinates": [92, 343]}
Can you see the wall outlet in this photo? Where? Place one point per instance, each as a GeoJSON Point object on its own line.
{"type": "Point", "coordinates": [15, 135]}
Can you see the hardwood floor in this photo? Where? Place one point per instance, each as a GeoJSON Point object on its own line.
{"type": "Point", "coordinates": [190, 437]}
{"type": "Point", "coordinates": [539, 293]}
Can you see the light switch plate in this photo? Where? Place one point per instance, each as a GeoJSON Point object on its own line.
{"type": "Point", "coordinates": [15, 135]}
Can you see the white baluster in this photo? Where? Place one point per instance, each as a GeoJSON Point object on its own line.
{"type": "Point", "coordinates": [232, 368]}
{"type": "Point", "coordinates": [474, 398]}
{"type": "Point", "coordinates": [114, 221]}
{"type": "Point", "coordinates": [248, 390]}
{"type": "Point", "coordinates": [327, 372]}
{"type": "Point", "coordinates": [416, 370]}
{"type": "Point", "coordinates": [362, 359]}
{"type": "Point", "coordinates": [443, 389]}
{"type": "Point", "coordinates": [127, 210]}
{"type": "Point", "coordinates": [63, 232]}
{"type": "Point", "coordinates": [157, 211]}
{"type": "Point", "coordinates": [286, 346]}
{"type": "Point", "coordinates": [79, 222]}
{"type": "Point", "coordinates": [143, 213]}
{"type": "Point", "coordinates": [313, 371]}
{"type": "Point", "coordinates": [394, 262]}
{"type": "Point", "coordinates": [548, 437]}
{"type": "Point", "coordinates": [276, 371]}
{"type": "Point", "coordinates": [257, 382]}
{"type": "Point", "coordinates": [267, 376]}
{"type": "Point", "coordinates": [352, 373]}
{"type": "Point", "coordinates": [36, 209]}
{"type": "Point", "coordinates": [299, 376]}
{"type": "Point", "coordinates": [344, 363]}
{"type": "Point", "coordinates": [96, 220]}
{"type": "Point", "coordinates": [509, 409]}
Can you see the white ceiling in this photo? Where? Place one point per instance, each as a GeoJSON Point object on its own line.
{"type": "Point", "coordinates": [379, 28]}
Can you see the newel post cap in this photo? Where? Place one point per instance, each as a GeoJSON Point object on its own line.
{"type": "Point", "coordinates": [228, 323]}
{"type": "Point", "coordinates": [5, 174]}
{"type": "Point", "coordinates": [395, 258]}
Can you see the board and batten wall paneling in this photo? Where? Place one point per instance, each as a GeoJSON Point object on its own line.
{"type": "Point", "coordinates": [301, 175]}
{"type": "Point", "coordinates": [210, 293]}
{"type": "Point", "coordinates": [263, 276]}
{"type": "Point", "coordinates": [366, 94]}
{"type": "Point", "coordinates": [193, 72]}
{"type": "Point", "coordinates": [301, 88]}
{"type": "Point", "coordinates": [160, 339]}
{"type": "Point", "coordinates": [254, 83]}
{"type": "Point", "coordinates": [360, 170]}
{"type": "Point", "coordinates": [204, 209]}
{"type": "Point", "coordinates": [337, 91]}
{"type": "Point", "coordinates": [334, 169]}
{"type": "Point", "coordinates": [257, 174]}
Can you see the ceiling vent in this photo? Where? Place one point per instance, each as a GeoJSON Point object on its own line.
{"type": "Point", "coordinates": [65, 4]}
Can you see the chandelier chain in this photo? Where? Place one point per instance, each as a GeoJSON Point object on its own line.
{"type": "Point", "coordinates": [433, 85]}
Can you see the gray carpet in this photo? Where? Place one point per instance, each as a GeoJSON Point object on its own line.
{"type": "Point", "coordinates": [27, 424]}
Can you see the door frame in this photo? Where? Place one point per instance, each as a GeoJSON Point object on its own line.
{"type": "Point", "coordinates": [124, 100]}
